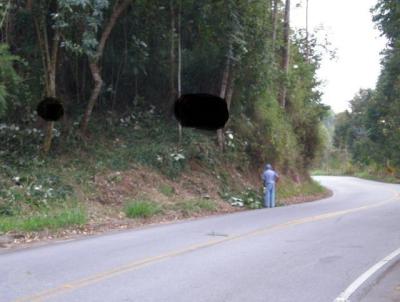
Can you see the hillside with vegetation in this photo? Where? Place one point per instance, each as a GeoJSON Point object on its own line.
{"type": "Point", "coordinates": [117, 157]}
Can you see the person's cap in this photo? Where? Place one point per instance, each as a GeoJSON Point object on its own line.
{"type": "Point", "coordinates": [268, 166]}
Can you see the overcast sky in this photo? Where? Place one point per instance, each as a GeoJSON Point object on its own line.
{"type": "Point", "coordinates": [349, 26]}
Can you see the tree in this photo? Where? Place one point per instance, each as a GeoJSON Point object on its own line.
{"type": "Point", "coordinates": [94, 58]}
{"type": "Point", "coordinates": [49, 47]}
{"type": "Point", "coordinates": [285, 54]}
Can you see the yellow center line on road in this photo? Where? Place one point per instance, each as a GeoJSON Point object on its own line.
{"type": "Point", "coordinates": [73, 285]}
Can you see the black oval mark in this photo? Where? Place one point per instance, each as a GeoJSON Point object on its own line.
{"type": "Point", "coordinates": [50, 109]}
{"type": "Point", "coordinates": [202, 111]}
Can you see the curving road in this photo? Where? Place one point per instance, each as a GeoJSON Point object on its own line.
{"type": "Point", "coordinates": [342, 248]}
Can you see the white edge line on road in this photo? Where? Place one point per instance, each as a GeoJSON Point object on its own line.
{"type": "Point", "coordinates": [345, 295]}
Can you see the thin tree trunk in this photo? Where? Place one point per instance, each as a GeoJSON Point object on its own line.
{"type": "Point", "coordinates": [5, 22]}
{"type": "Point", "coordinates": [222, 94]}
{"type": "Point", "coordinates": [230, 89]}
{"type": "Point", "coordinates": [179, 67]}
{"type": "Point", "coordinates": [28, 5]}
{"type": "Point", "coordinates": [94, 67]}
{"type": "Point", "coordinates": [285, 54]}
{"type": "Point", "coordinates": [136, 101]}
{"type": "Point", "coordinates": [172, 57]}
{"type": "Point", "coordinates": [179, 77]}
{"type": "Point", "coordinates": [307, 44]}
{"type": "Point", "coordinates": [225, 78]}
{"type": "Point", "coordinates": [49, 61]}
{"type": "Point", "coordinates": [76, 69]}
{"type": "Point", "coordinates": [121, 67]}
{"type": "Point", "coordinates": [48, 137]}
{"type": "Point", "coordinates": [42, 47]}
{"type": "Point", "coordinates": [98, 82]}
{"type": "Point", "coordinates": [53, 64]}
{"type": "Point", "coordinates": [274, 24]}
{"type": "Point", "coordinates": [52, 74]}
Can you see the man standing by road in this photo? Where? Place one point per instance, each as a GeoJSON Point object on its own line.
{"type": "Point", "coordinates": [270, 177]}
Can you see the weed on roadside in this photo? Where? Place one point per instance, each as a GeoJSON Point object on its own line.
{"type": "Point", "coordinates": [37, 222]}
{"type": "Point", "coordinates": [141, 209]}
{"type": "Point", "coordinates": [193, 206]}
{"type": "Point", "coordinates": [167, 190]}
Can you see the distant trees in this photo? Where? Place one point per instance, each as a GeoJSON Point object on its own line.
{"type": "Point", "coordinates": [371, 130]}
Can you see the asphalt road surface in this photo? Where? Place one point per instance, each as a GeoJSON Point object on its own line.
{"type": "Point", "coordinates": [342, 248]}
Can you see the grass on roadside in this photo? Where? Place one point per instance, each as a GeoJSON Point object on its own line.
{"type": "Point", "coordinates": [53, 221]}
{"type": "Point", "coordinates": [378, 177]}
{"type": "Point", "coordinates": [193, 206]}
{"type": "Point", "coordinates": [371, 173]}
{"type": "Point", "coordinates": [167, 190]}
{"type": "Point", "coordinates": [290, 189]}
{"type": "Point", "coordinates": [141, 209]}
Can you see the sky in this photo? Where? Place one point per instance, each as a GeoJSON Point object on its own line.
{"type": "Point", "coordinates": [349, 28]}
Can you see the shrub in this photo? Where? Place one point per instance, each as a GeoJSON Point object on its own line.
{"type": "Point", "coordinates": [141, 209]}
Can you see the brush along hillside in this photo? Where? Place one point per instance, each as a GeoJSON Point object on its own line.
{"type": "Point", "coordinates": [116, 158]}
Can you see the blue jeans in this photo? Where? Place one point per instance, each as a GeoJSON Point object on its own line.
{"type": "Point", "coordinates": [269, 197]}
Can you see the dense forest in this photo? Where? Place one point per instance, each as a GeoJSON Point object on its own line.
{"type": "Point", "coordinates": [118, 66]}
{"type": "Point", "coordinates": [119, 57]}
{"type": "Point", "coordinates": [369, 132]}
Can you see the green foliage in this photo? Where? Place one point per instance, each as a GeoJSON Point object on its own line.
{"type": "Point", "coordinates": [22, 139]}
{"type": "Point", "coordinates": [281, 147]}
{"type": "Point", "coordinates": [387, 18]}
{"type": "Point", "coordinates": [252, 199]}
{"type": "Point", "coordinates": [9, 79]}
{"type": "Point", "coordinates": [32, 185]}
{"type": "Point", "coordinates": [141, 209]}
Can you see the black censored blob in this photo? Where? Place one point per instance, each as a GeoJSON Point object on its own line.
{"type": "Point", "coordinates": [50, 109]}
{"type": "Point", "coordinates": [201, 111]}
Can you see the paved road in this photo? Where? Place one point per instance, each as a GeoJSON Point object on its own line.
{"type": "Point", "coordinates": [308, 252]}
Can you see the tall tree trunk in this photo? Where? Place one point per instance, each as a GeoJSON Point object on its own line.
{"type": "Point", "coordinates": [179, 75]}
{"type": "Point", "coordinates": [307, 42]}
{"type": "Point", "coordinates": [121, 69]}
{"type": "Point", "coordinates": [274, 24]}
{"type": "Point", "coordinates": [285, 54]}
{"type": "Point", "coordinates": [53, 64]}
{"type": "Point", "coordinates": [28, 5]}
{"type": "Point", "coordinates": [52, 74]}
{"type": "Point", "coordinates": [4, 22]}
{"type": "Point", "coordinates": [222, 94]}
{"type": "Point", "coordinates": [172, 57]}
{"type": "Point", "coordinates": [98, 82]}
{"type": "Point", "coordinates": [136, 100]}
{"type": "Point", "coordinates": [230, 89]}
{"type": "Point", "coordinates": [94, 65]}
{"type": "Point", "coordinates": [49, 62]}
